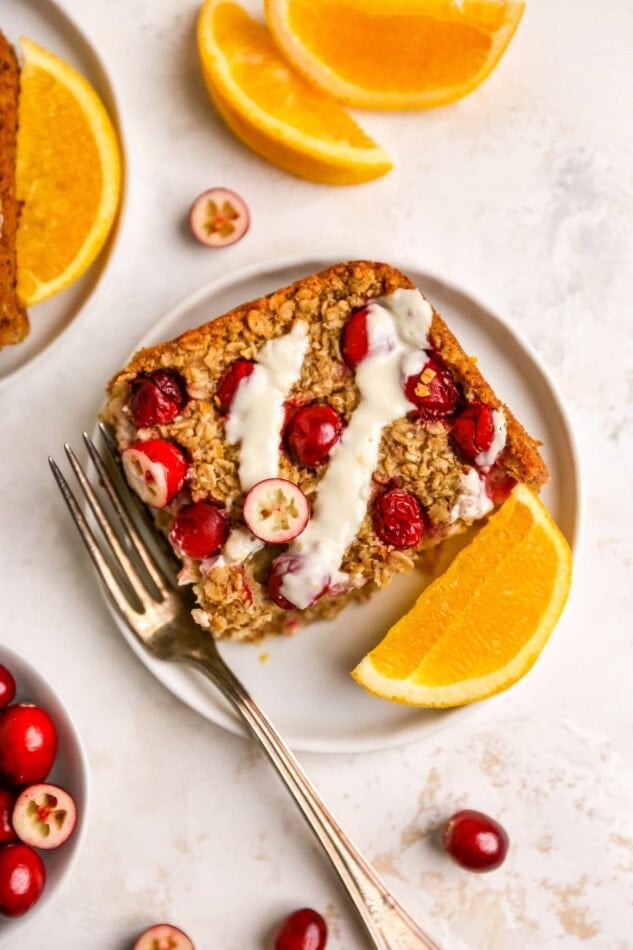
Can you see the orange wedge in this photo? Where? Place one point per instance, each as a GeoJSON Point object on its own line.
{"type": "Point", "coordinates": [405, 54]}
{"type": "Point", "coordinates": [68, 175]}
{"type": "Point", "coordinates": [480, 626]}
{"type": "Point", "coordinates": [272, 109]}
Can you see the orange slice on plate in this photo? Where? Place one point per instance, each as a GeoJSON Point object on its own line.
{"type": "Point", "coordinates": [273, 110]}
{"type": "Point", "coordinates": [406, 54]}
{"type": "Point", "coordinates": [480, 626]}
{"type": "Point", "coordinates": [68, 175]}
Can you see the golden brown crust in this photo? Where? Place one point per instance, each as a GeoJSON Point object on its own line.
{"type": "Point", "coordinates": [14, 324]}
{"type": "Point", "coordinates": [420, 458]}
{"type": "Point", "coordinates": [354, 282]}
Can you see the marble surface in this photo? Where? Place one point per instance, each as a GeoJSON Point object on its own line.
{"type": "Point", "coordinates": [520, 193]}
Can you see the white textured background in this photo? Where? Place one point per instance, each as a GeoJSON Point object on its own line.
{"type": "Point", "coordinates": [520, 193]}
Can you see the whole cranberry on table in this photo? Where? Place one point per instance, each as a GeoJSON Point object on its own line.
{"type": "Point", "coordinates": [475, 841]}
{"type": "Point", "coordinates": [304, 929]}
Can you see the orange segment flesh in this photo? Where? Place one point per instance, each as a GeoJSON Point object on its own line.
{"type": "Point", "coordinates": [401, 55]}
{"type": "Point", "coordinates": [273, 109]}
{"type": "Point", "coordinates": [481, 625]}
{"type": "Point", "coordinates": [67, 174]}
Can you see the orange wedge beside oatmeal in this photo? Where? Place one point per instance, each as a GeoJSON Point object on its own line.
{"type": "Point", "coordinates": [273, 110]}
{"type": "Point", "coordinates": [480, 626]}
{"type": "Point", "coordinates": [68, 175]}
{"type": "Point", "coordinates": [406, 54]}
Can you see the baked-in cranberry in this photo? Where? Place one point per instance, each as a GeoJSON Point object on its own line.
{"type": "Point", "coordinates": [288, 564]}
{"type": "Point", "coordinates": [475, 840]}
{"type": "Point", "coordinates": [498, 484]}
{"type": "Point", "coordinates": [227, 387]}
{"type": "Point", "coordinates": [473, 430]}
{"type": "Point", "coordinates": [155, 469]}
{"type": "Point", "coordinates": [304, 929]}
{"type": "Point", "coordinates": [398, 518]}
{"type": "Point", "coordinates": [312, 433]}
{"type": "Point", "coordinates": [199, 530]}
{"type": "Point", "coordinates": [354, 341]}
{"type": "Point", "coordinates": [7, 687]}
{"type": "Point", "coordinates": [156, 399]}
{"type": "Point", "coordinates": [7, 831]}
{"type": "Point", "coordinates": [22, 879]}
{"type": "Point", "coordinates": [432, 391]}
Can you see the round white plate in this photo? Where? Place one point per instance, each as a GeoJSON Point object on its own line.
{"type": "Point", "coordinates": [303, 682]}
{"type": "Point", "coordinates": [45, 23]}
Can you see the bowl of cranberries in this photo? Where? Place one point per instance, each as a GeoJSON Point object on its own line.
{"type": "Point", "coordinates": [43, 790]}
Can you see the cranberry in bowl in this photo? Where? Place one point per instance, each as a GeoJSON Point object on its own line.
{"type": "Point", "coordinates": [59, 761]}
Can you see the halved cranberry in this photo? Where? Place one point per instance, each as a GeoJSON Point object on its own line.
{"type": "Point", "coordinates": [432, 391]}
{"type": "Point", "coordinates": [227, 387]}
{"type": "Point", "coordinates": [155, 470]}
{"type": "Point", "coordinates": [44, 816]}
{"type": "Point", "coordinates": [312, 433]}
{"type": "Point", "coordinates": [476, 841]}
{"type": "Point", "coordinates": [304, 929]}
{"type": "Point", "coordinates": [355, 341]}
{"type": "Point", "coordinates": [156, 399]}
{"type": "Point", "coordinates": [7, 687]}
{"type": "Point", "coordinates": [7, 831]}
{"type": "Point", "coordinates": [199, 530]}
{"type": "Point", "coordinates": [473, 430]}
{"type": "Point", "coordinates": [398, 518]}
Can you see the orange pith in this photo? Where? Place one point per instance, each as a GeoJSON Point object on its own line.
{"type": "Point", "coordinates": [67, 175]}
{"type": "Point", "coordinates": [481, 625]}
{"type": "Point", "coordinates": [413, 54]}
{"type": "Point", "coordinates": [273, 109]}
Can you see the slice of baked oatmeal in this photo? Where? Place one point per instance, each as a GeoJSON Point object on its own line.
{"type": "Point", "coordinates": [346, 391]}
{"type": "Point", "coordinates": [14, 324]}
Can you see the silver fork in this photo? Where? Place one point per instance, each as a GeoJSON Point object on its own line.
{"type": "Point", "coordinates": [157, 612]}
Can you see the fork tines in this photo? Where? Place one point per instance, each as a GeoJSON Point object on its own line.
{"type": "Point", "coordinates": [133, 577]}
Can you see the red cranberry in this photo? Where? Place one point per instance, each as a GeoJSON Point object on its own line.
{"type": "Point", "coordinates": [354, 341]}
{"type": "Point", "coordinates": [304, 929]}
{"type": "Point", "coordinates": [22, 879]}
{"type": "Point", "coordinates": [231, 379]}
{"type": "Point", "coordinates": [199, 530]}
{"type": "Point", "coordinates": [282, 565]}
{"type": "Point", "coordinates": [498, 484]}
{"type": "Point", "coordinates": [7, 687]}
{"type": "Point", "coordinates": [156, 399]}
{"type": "Point", "coordinates": [7, 801]}
{"type": "Point", "coordinates": [398, 518]}
{"type": "Point", "coordinates": [475, 841]}
{"type": "Point", "coordinates": [432, 391]}
{"type": "Point", "coordinates": [312, 433]}
{"type": "Point", "coordinates": [473, 430]}
{"type": "Point", "coordinates": [28, 744]}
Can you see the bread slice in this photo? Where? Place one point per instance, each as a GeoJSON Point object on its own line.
{"type": "Point", "coordinates": [416, 453]}
{"type": "Point", "coordinates": [14, 324]}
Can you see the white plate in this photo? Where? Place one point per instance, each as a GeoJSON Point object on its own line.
{"type": "Point", "coordinates": [45, 23]}
{"type": "Point", "coordinates": [303, 682]}
{"type": "Point", "coordinates": [70, 771]}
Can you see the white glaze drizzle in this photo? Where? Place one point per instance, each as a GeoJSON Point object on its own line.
{"type": "Point", "coordinates": [473, 501]}
{"type": "Point", "coordinates": [256, 415]}
{"type": "Point", "coordinates": [485, 460]}
{"type": "Point", "coordinates": [397, 331]}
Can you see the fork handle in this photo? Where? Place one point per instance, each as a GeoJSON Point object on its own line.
{"type": "Point", "coordinates": [388, 925]}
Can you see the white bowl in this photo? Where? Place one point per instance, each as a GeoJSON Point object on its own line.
{"type": "Point", "coordinates": [70, 771]}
